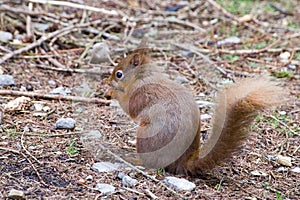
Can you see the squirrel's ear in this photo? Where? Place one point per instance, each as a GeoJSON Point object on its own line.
{"type": "Point", "coordinates": [136, 60]}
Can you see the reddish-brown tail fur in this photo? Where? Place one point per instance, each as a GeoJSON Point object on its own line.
{"type": "Point", "coordinates": [236, 108]}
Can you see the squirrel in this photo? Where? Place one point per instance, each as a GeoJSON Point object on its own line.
{"type": "Point", "coordinates": [169, 134]}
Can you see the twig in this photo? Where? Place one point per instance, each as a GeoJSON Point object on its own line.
{"type": "Point", "coordinates": [17, 10]}
{"type": "Point", "coordinates": [280, 10]}
{"type": "Point", "coordinates": [150, 194]}
{"type": "Point", "coordinates": [238, 51]}
{"type": "Point", "coordinates": [69, 70]}
{"type": "Point", "coordinates": [78, 6]}
{"type": "Point", "coordinates": [28, 22]}
{"type": "Point", "coordinates": [51, 135]}
{"type": "Point", "coordinates": [224, 11]}
{"type": "Point", "coordinates": [10, 150]}
{"type": "Point", "coordinates": [134, 191]}
{"type": "Point", "coordinates": [55, 97]}
{"type": "Point", "coordinates": [35, 169]}
{"type": "Point", "coordinates": [140, 171]}
{"type": "Point", "coordinates": [185, 23]}
{"type": "Point", "coordinates": [26, 151]}
{"type": "Point", "coordinates": [283, 124]}
{"type": "Point", "coordinates": [44, 38]}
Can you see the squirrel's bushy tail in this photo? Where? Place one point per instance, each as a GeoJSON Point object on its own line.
{"type": "Point", "coordinates": [236, 108]}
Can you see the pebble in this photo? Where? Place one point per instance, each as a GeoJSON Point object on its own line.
{"type": "Point", "coordinates": [61, 90]}
{"type": "Point", "coordinates": [52, 82]}
{"type": "Point", "coordinates": [230, 40]}
{"type": "Point", "coordinates": [16, 194]}
{"type": "Point", "coordinates": [296, 170]}
{"type": "Point", "coordinates": [104, 188]}
{"type": "Point", "coordinates": [179, 183]}
{"type": "Point", "coordinates": [99, 53]}
{"type": "Point", "coordinates": [205, 116]}
{"type": "Point", "coordinates": [181, 79]}
{"type": "Point", "coordinates": [284, 57]}
{"type": "Point", "coordinates": [127, 180]}
{"type": "Point", "coordinates": [292, 67]}
{"type": "Point", "coordinates": [114, 104]}
{"type": "Point", "coordinates": [92, 134]}
{"type": "Point", "coordinates": [257, 173]}
{"type": "Point", "coordinates": [284, 160]}
{"type": "Point", "coordinates": [282, 112]}
{"type": "Point", "coordinates": [89, 178]}
{"type": "Point", "coordinates": [5, 36]}
{"type": "Point", "coordinates": [106, 166]}
{"type": "Point", "coordinates": [38, 107]}
{"type": "Point", "coordinates": [282, 169]}
{"type": "Point", "coordinates": [65, 123]}
{"type": "Point", "coordinates": [6, 80]}
{"type": "Point", "coordinates": [203, 104]}
{"type": "Point", "coordinates": [41, 26]}
{"type": "Point", "coordinates": [187, 53]}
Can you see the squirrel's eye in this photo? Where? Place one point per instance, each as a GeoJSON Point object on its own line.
{"type": "Point", "coordinates": [119, 74]}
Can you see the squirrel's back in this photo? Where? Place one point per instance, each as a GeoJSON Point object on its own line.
{"type": "Point", "coordinates": [169, 120]}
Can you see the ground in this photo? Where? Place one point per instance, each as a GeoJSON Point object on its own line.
{"type": "Point", "coordinates": [184, 38]}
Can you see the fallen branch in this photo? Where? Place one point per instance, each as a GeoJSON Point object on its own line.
{"type": "Point", "coordinates": [78, 6]}
{"type": "Point", "coordinates": [96, 71]}
{"type": "Point", "coordinates": [45, 38]}
{"type": "Point", "coordinates": [55, 97]}
{"type": "Point", "coordinates": [18, 10]}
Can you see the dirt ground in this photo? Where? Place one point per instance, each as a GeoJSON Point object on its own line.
{"type": "Point", "coordinates": [187, 38]}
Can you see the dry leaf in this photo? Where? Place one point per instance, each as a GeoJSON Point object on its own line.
{"type": "Point", "coordinates": [17, 104]}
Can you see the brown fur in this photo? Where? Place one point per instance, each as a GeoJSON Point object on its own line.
{"type": "Point", "coordinates": [169, 131]}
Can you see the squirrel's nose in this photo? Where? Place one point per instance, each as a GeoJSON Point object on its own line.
{"type": "Point", "coordinates": [108, 93]}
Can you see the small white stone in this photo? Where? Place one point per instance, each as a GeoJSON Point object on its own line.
{"type": "Point", "coordinates": [6, 80]}
{"type": "Point", "coordinates": [230, 40]}
{"type": "Point", "coordinates": [282, 112]}
{"type": "Point", "coordinates": [296, 170]}
{"type": "Point", "coordinates": [114, 104]}
{"type": "Point", "coordinates": [284, 160]}
{"type": "Point", "coordinates": [16, 194]}
{"type": "Point", "coordinates": [203, 104]}
{"type": "Point", "coordinates": [179, 183]}
{"type": "Point", "coordinates": [89, 177]}
{"type": "Point", "coordinates": [99, 53]}
{"type": "Point", "coordinates": [106, 166]}
{"type": "Point", "coordinates": [38, 107]}
{"type": "Point", "coordinates": [65, 123]}
{"type": "Point", "coordinates": [5, 36]}
{"type": "Point", "coordinates": [257, 173]}
{"type": "Point", "coordinates": [205, 116]}
{"type": "Point", "coordinates": [105, 188]}
{"type": "Point", "coordinates": [282, 169]}
{"type": "Point", "coordinates": [284, 57]}
{"type": "Point", "coordinates": [128, 181]}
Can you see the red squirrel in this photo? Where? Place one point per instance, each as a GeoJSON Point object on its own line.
{"type": "Point", "coordinates": [168, 135]}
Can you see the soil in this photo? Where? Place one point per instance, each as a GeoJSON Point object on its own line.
{"type": "Point", "coordinates": [50, 163]}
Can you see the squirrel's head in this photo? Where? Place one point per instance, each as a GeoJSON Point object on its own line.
{"type": "Point", "coordinates": [129, 69]}
{"type": "Point", "coordinates": [129, 64]}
